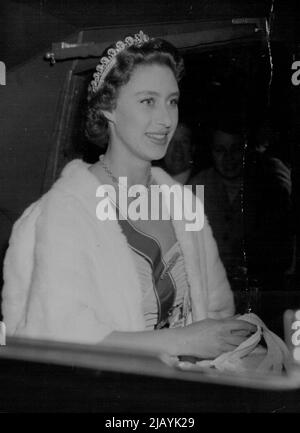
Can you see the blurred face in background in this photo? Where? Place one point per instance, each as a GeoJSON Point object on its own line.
{"type": "Point", "coordinates": [179, 154]}
{"type": "Point", "coordinates": [227, 152]}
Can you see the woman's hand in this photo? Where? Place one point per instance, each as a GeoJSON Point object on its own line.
{"type": "Point", "coordinates": [209, 338]}
{"type": "Point", "coordinates": [205, 339]}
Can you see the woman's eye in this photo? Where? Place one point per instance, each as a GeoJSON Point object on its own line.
{"type": "Point", "coordinates": [148, 101]}
{"type": "Point", "coordinates": [174, 101]}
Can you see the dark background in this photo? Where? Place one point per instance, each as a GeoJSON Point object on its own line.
{"type": "Point", "coordinates": [28, 27]}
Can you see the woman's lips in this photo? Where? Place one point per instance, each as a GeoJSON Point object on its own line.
{"type": "Point", "coordinates": [157, 138]}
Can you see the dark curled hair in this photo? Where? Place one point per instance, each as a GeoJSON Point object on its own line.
{"type": "Point", "coordinates": [155, 51]}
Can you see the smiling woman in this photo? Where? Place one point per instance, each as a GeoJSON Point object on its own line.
{"type": "Point", "coordinates": [148, 283]}
{"type": "Point", "coordinates": [145, 117]}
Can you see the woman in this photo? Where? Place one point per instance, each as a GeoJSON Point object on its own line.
{"type": "Point", "coordinates": [71, 276]}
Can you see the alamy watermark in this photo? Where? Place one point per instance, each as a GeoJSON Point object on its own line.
{"type": "Point", "coordinates": [166, 202]}
{"type": "Point", "coordinates": [292, 332]}
{"type": "Point", "coordinates": [295, 326]}
{"type": "Point", "coordinates": [295, 78]}
{"type": "Point", "coordinates": [2, 74]}
{"type": "Point", "coordinates": [2, 334]}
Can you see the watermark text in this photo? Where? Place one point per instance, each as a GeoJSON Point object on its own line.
{"type": "Point", "coordinates": [2, 334]}
{"type": "Point", "coordinates": [296, 75]}
{"type": "Point", "coordinates": [158, 202]}
{"type": "Point", "coordinates": [2, 74]}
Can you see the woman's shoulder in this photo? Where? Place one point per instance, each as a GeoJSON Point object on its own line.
{"type": "Point", "coordinates": [73, 190]}
{"type": "Point", "coordinates": [74, 178]}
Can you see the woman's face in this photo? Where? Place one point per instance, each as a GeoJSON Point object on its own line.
{"type": "Point", "coordinates": [146, 113]}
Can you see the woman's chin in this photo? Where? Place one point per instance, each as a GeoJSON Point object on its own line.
{"type": "Point", "coordinates": [158, 154]}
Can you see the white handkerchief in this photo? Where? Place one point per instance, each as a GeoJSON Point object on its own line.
{"type": "Point", "coordinates": [275, 358]}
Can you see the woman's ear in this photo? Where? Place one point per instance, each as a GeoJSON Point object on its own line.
{"type": "Point", "coordinates": [109, 115]}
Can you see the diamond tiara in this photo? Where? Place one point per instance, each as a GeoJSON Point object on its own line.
{"type": "Point", "coordinates": [107, 62]}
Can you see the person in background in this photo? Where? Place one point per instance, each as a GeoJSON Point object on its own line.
{"type": "Point", "coordinates": [178, 161]}
{"type": "Point", "coordinates": [247, 199]}
{"type": "Point", "coordinates": [222, 194]}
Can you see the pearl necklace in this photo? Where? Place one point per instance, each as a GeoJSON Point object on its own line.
{"type": "Point", "coordinates": [115, 180]}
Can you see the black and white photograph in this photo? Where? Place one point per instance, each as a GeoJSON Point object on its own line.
{"type": "Point", "coordinates": [149, 178]}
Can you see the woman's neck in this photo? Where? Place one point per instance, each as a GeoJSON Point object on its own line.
{"type": "Point", "coordinates": [122, 164]}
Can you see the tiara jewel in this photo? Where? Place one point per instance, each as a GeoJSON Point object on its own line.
{"type": "Point", "coordinates": [107, 62]}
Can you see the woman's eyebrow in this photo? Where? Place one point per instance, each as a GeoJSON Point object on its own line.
{"type": "Point", "coordinates": [153, 93]}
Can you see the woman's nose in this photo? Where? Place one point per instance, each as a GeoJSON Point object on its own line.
{"type": "Point", "coordinates": [164, 117]}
